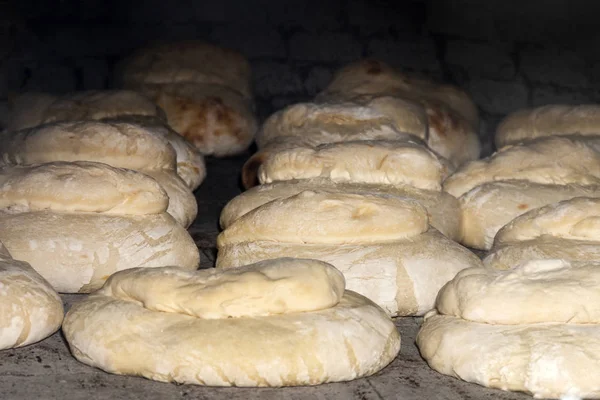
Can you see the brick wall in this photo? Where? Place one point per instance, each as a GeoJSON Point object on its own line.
{"type": "Point", "coordinates": [506, 54]}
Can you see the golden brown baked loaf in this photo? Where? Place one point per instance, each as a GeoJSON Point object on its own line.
{"type": "Point", "coordinates": [231, 327]}
{"type": "Point", "coordinates": [204, 89]}
{"type": "Point", "coordinates": [33, 109]}
{"type": "Point", "coordinates": [382, 243]}
{"type": "Point", "coordinates": [116, 143]}
{"type": "Point", "coordinates": [30, 310]}
{"type": "Point", "coordinates": [76, 223]}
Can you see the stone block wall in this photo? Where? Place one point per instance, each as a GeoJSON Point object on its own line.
{"type": "Point", "coordinates": [507, 54]}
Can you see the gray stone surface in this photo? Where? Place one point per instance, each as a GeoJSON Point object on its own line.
{"type": "Point", "coordinates": [560, 67]}
{"type": "Point", "coordinates": [325, 47]}
{"type": "Point", "coordinates": [318, 77]}
{"type": "Point", "coordinates": [497, 97]}
{"type": "Point", "coordinates": [256, 42]}
{"type": "Point", "coordinates": [542, 95]}
{"type": "Point", "coordinates": [46, 370]}
{"type": "Point", "coordinates": [272, 78]}
{"type": "Point", "coordinates": [481, 59]}
{"type": "Point", "coordinates": [415, 53]}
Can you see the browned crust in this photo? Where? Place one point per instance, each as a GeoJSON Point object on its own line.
{"type": "Point", "coordinates": [250, 170]}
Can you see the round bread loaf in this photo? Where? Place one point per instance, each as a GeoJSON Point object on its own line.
{"type": "Point", "coordinates": [119, 144]}
{"type": "Point", "coordinates": [205, 91]}
{"type": "Point", "coordinates": [518, 178]}
{"type": "Point", "coordinates": [487, 208]}
{"type": "Point", "coordinates": [443, 209]}
{"type": "Point", "coordinates": [568, 230]}
{"type": "Point", "coordinates": [528, 320]}
{"type": "Point", "coordinates": [550, 120]}
{"type": "Point", "coordinates": [548, 360]}
{"type": "Point", "coordinates": [179, 326]}
{"type": "Point", "coordinates": [77, 223]}
{"type": "Point", "coordinates": [375, 162]}
{"type": "Point", "coordinates": [383, 244]}
{"type": "Point", "coordinates": [30, 310]}
{"type": "Point", "coordinates": [216, 119]}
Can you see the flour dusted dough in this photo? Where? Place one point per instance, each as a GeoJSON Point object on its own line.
{"type": "Point", "coordinates": [567, 230]}
{"type": "Point", "coordinates": [522, 177]}
{"type": "Point", "coordinates": [77, 223]}
{"type": "Point", "coordinates": [376, 162]}
{"type": "Point", "coordinates": [314, 124]}
{"type": "Point", "coordinates": [443, 209]}
{"type": "Point", "coordinates": [528, 320]}
{"type": "Point", "coordinates": [281, 322]}
{"type": "Point", "coordinates": [117, 143]}
{"type": "Point", "coordinates": [550, 161]}
{"type": "Point", "coordinates": [550, 120]}
{"type": "Point", "coordinates": [205, 91]}
{"type": "Point", "coordinates": [30, 310]}
{"type": "Point", "coordinates": [487, 208]}
{"type": "Point", "coordinates": [548, 360]}
{"type": "Point", "coordinates": [535, 291]}
{"type": "Point", "coordinates": [382, 244]}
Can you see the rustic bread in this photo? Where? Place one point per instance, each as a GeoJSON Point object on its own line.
{"type": "Point", "coordinates": [205, 91]}
{"type": "Point", "coordinates": [76, 223]}
{"type": "Point", "coordinates": [383, 244]}
{"type": "Point", "coordinates": [30, 310]}
{"type": "Point", "coordinates": [229, 327]}
{"type": "Point", "coordinates": [116, 143]}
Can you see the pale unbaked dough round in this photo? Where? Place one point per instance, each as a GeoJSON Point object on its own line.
{"type": "Point", "coordinates": [528, 320]}
{"type": "Point", "coordinates": [383, 244]}
{"type": "Point", "coordinates": [116, 143]}
{"type": "Point", "coordinates": [568, 230]}
{"type": "Point", "coordinates": [77, 223]}
{"type": "Point", "coordinates": [30, 310]}
{"type": "Point", "coordinates": [376, 162]}
{"type": "Point", "coordinates": [443, 209]}
{"type": "Point", "coordinates": [522, 177]}
{"type": "Point", "coordinates": [549, 160]}
{"type": "Point", "coordinates": [537, 291]}
{"type": "Point", "coordinates": [488, 207]}
{"type": "Point", "coordinates": [550, 120]}
{"type": "Point", "coordinates": [282, 322]}
{"type": "Point", "coordinates": [548, 360]}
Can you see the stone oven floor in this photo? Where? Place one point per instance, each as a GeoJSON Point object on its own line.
{"type": "Point", "coordinates": [46, 370]}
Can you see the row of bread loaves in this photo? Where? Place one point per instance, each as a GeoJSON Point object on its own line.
{"type": "Point", "coordinates": [354, 178]}
{"type": "Point", "coordinates": [530, 319]}
{"type": "Point", "coordinates": [95, 182]}
{"type": "Point", "coordinates": [549, 154]}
